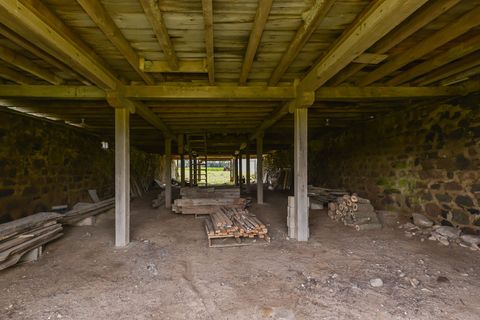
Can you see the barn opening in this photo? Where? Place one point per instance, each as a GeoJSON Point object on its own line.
{"type": "Point", "coordinates": [256, 159]}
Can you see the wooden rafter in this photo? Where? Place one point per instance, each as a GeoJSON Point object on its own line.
{"type": "Point", "coordinates": [439, 38]}
{"type": "Point", "coordinates": [99, 15]}
{"type": "Point", "coordinates": [26, 64]}
{"type": "Point", "coordinates": [261, 17]}
{"type": "Point", "coordinates": [311, 21]}
{"type": "Point", "coordinates": [414, 23]}
{"type": "Point", "coordinates": [14, 76]}
{"type": "Point", "coordinates": [458, 51]}
{"type": "Point", "coordinates": [207, 8]}
{"type": "Point", "coordinates": [155, 17]}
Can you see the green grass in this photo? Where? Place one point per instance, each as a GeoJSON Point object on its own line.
{"type": "Point", "coordinates": [215, 176]}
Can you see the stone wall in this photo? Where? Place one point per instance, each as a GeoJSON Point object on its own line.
{"type": "Point", "coordinates": [43, 164]}
{"type": "Point", "coordinates": [417, 161]}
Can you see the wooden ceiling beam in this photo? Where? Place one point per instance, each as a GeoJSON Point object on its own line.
{"type": "Point", "coordinates": [187, 66]}
{"type": "Point", "coordinates": [15, 76]}
{"type": "Point", "coordinates": [99, 15]}
{"type": "Point", "coordinates": [207, 8]}
{"type": "Point", "coordinates": [261, 17]}
{"type": "Point", "coordinates": [311, 20]}
{"type": "Point", "coordinates": [21, 42]}
{"type": "Point", "coordinates": [426, 14]}
{"type": "Point", "coordinates": [155, 17]}
{"type": "Point", "coordinates": [35, 22]}
{"type": "Point", "coordinates": [458, 51]}
{"type": "Point", "coordinates": [27, 65]}
{"type": "Point", "coordinates": [379, 19]}
{"type": "Point", "coordinates": [438, 39]}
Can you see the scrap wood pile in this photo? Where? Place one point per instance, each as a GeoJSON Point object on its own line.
{"type": "Point", "coordinates": [324, 195]}
{"type": "Point", "coordinates": [355, 212]}
{"type": "Point", "coordinates": [208, 200]}
{"type": "Point", "coordinates": [86, 210]}
{"type": "Point", "coordinates": [234, 222]}
{"type": "Point", "coordinates": [23, 235]}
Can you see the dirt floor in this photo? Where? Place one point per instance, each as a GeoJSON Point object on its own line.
{"type": "Point", "coordinates": [168, 272]}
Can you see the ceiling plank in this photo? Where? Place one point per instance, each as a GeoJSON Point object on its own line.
{"type": "Point", "coordinates": [37, 22]}
{"type": "Point", "coordinates": [12, 75]}
{"type": "Point", "coordinates": [26, 64]}
{"type": "Point", "coordinates": [426, 14]}
{"type": "Point", "coordinates": [187, 66]}
{"type": "Point", "coordinates": [458, 51]}
{"type": "Point", "coordinates": [311, 21]}
{"type": "Point", "coordinates": [438, 39]}
{"type": "Point", "coordinates": [207, 7]}
{"type": "Point", "coordinates": [261, 17]}
{"type": "Point", "coordinates": [99, 15]}
{"type": "Point", "coordinates": [155, 17]}
{"type": "Point", "coordinates": [379, 19]}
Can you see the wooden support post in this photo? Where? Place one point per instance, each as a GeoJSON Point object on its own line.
{"type": "Point", "coordinates": [260, 169]}
{"type": "Point", "coordinates": [122, 177]}
{"type": "Point", "coordinates": [240, 171]}
{"type": "Point", "coordinates": [181, 150]}
{"type": "Point", "coordinates": [168, 173]}
{"type": "Point", "coordinates": [247, 169]}
{"type": "Point", "coordinates": [235, 165]}
{"type": "Point", "coordinates": [195, 180]}
{"type": "Point", "coordinates": [300, 172]}
{"type": "Point", "coordinates": [190, 170]}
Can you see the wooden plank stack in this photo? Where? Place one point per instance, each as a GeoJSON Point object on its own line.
{"type": "Point", "coordinates": [75, 215]}
{"type": "Point", "coordinates": [233, 222]}
{"type": "Point", "coordinates": [23, 235]}
{"type": "Point", "coordinates": [200, 193]}
{"type": "Point", "coordinates": [324, 195]}
{"type": "Point", "coordinates": [355, 212]}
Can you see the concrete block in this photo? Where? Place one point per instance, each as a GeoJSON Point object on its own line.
{"type": "Point", "coordinates": [32, 255]}
{"type": "Point", "coordinates": [88, 221]}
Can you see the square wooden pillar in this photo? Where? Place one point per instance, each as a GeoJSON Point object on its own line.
{"type": "Point", "coordinates": [301, 172]}
{"type": "Point", "coordinates": [240, 171]}
{"type": "Point", "coordinates": [122, 177]}
{"type": "Point", "coordinates": [181, 151]}
{"type": "Point", "coordinates": [190, 169]}
{"type": "Point", "coordinates": [247, 169]}
{"type": "Point", "coordinates": [168, 173]}
{"type": "Point", "coordinates": [235, 170]}
{"type": "Point", "coordinates": [260, 170]}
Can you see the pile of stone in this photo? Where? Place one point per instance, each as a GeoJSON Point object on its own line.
{"type": "Point", "coordinates": [424, 228]}
{"type": "Point", "coordinates": [354, 211]}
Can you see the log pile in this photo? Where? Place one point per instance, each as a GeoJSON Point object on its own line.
{"type": "Point", "coordinates": [233, 222]}
{"type": "Point", "coordinates": [88, 210]}
{"type": "Point", "coordinates": [23, 235]}
{"type": "Point", "coordinates": [206, 205]}
{"type": "Point", "coordinates": [355, 212]}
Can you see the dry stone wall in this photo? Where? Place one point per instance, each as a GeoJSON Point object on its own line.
{"type": "Point", "coordinates": [418, 161]}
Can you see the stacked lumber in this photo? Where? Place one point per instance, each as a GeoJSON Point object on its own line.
{"type": "Point", "coordinates": [324, 195]}
{"type": "Point", "coordinates": [199, 193]}
{"type": "Point", "coordinates": [87, 210]}
{"type": "Point", "coordinates": [233, 222]}
{"type": "Point", "coordinates": [206, 205]}
{"type": "Point", "coordinates": [355, 212]}
{"type": "Point", "coordinates": [23, 235]}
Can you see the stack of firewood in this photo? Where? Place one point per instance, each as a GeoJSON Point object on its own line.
{"type": "Point", "coordinates": [355, 212]}
{"type": "Point", "coordinates": [20, 236]}
{"type": "Point", "coordinates": [230, 221]}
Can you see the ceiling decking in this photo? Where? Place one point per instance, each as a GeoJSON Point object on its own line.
{"type": "Point", "coordinates": [233, 69]}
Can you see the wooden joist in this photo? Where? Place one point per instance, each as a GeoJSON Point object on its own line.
{"type": "Point", "coordinates": [311, 21]}
{"type": "Point", "coordinates": [438, 39]}
{"type": "Point", "coordinates": [187, 66]}
{"type": "Point", "coordinates": [97, 12]}
{"type": "Point", "coordinates": [13, 75]}
{"type": "Point", "coordinates": [207, 7]}
{"type": "Point", "coordinates": [261, 17]}
{"type": "Point", "coordinates": [154, 16]}
{"type": "Point", "coordinates": [424, 16]}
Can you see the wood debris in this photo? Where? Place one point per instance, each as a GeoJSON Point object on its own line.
{"type": "Point", "coordinates": [355, 212]}
{"type": "Point", "coordinates": [207, 200]}
{"type": "Point", "coordinates": [23, 235]}
{"type": "Point", "coordinates": [75, 215]}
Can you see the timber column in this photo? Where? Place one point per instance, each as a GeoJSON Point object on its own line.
{"type": "Point", "coordinates": [247, 169]}
{"type": "Point", "coordinates": [122, 176]}
{"type": "Point", "coordinates": [168, 173]}
{"type": "Point", "coordinates": [240, 171]}
{"type": "Point", "coordinates": [260, 169]}
{"type": "Point", "coordinates": [181, 147]}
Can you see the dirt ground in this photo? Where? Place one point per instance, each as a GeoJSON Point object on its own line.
{"type": "Point", "coordinates": [168, 272]}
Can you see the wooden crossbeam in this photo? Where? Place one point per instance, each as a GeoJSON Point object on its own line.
{"type": "Point", "coordinates": [311, 21]}
{"type": "Point", "coordinates": [15, 76]}
{"type": "Point", "coordinates": [261, 17]}
{"type": "Point", "coordinates": [456, 52]}
{"type": "Point", "coordinates": [187, 66]}
{"type": "Point", "coordinates": [438, 39]}
{"type": "Point", "coordinates": [208, 22]}
{"type": "Point", "coordinates": [426, 14]}
{"type": "Point", "coordinates": [379, 19]}
{"type": "Point", "coordinates": [155, 17]}
{"type": "Point", "coordinates": [19, 41]}
{"type": "Point", "coordinates": [99, 15]}
{"type": "Point", "coordinates": [26, 64]}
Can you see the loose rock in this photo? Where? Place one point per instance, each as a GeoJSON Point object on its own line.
{"type": "Point", "coordinates": [421, 221]}
{"type": "Point", "coordinates": [376, 283]}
